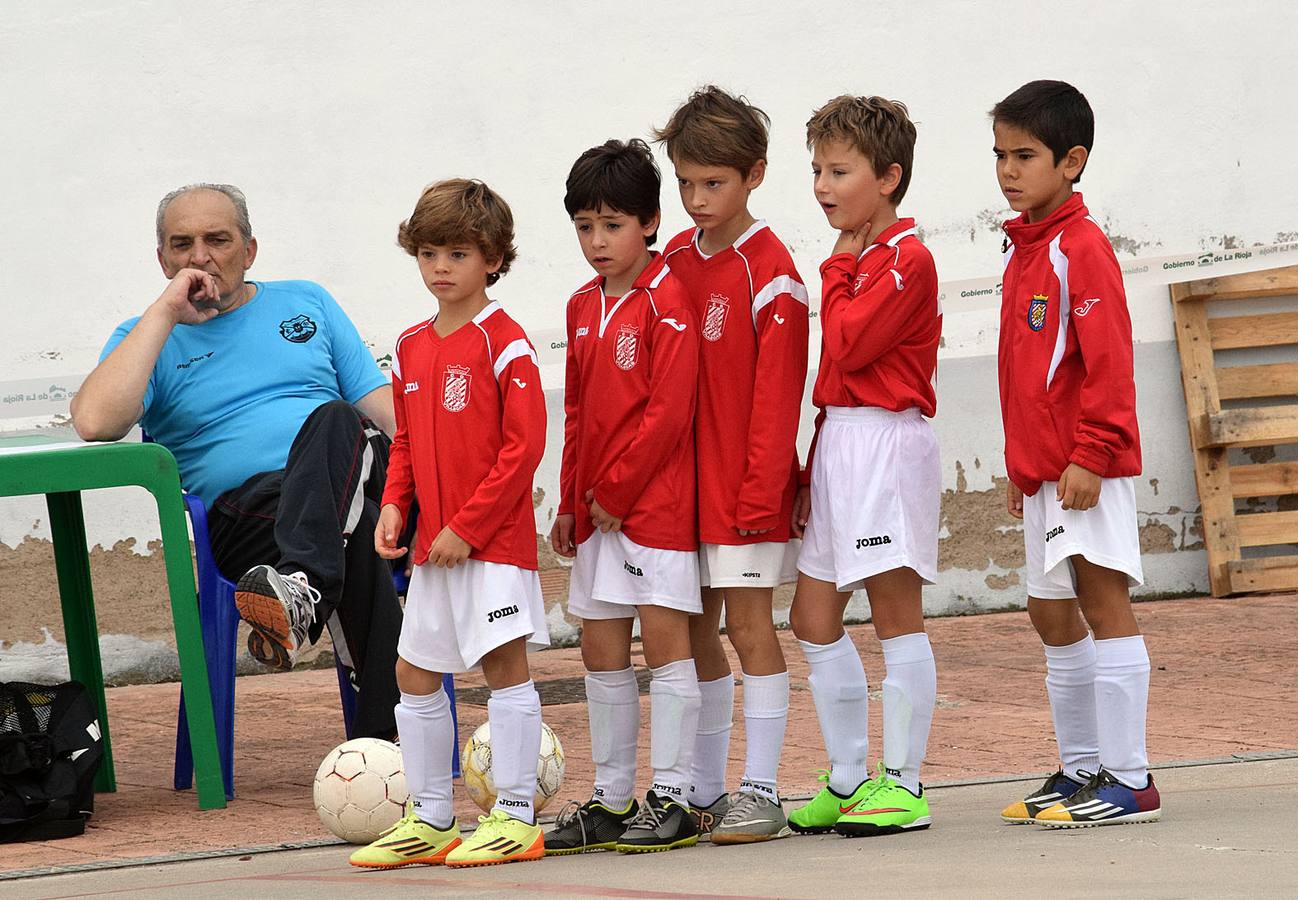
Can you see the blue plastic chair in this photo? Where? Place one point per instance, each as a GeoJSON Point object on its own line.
{"type": "Point", "coordinates": [220, 622]}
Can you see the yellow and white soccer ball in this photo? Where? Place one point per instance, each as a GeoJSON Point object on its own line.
{"type": "Point", "coordinates": [475, 765]}
{"type": "Point", "coordinates": [360, 789]}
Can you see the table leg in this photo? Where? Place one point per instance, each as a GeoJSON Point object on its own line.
{"type": "Point", "coordinates": [72, 561]}
{"type": "Point", "coordinates": [189, 645]}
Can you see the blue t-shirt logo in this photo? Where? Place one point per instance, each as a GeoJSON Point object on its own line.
{"type": "Point", "coordinates": [298, 329]}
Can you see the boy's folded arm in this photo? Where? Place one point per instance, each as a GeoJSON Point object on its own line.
{"type": "Point", "coordinates": [668, 416]}
{"type": "Point", "coordinates": [777, 400]}
{"type": "Point", "coordinates": [1103, 327]}
{"type": "Point", "coordinates": [858, 329]}
{"type": "Point", "coordinates": [522, 424]}
{"type": "Point", "coordinates": [399, 488]}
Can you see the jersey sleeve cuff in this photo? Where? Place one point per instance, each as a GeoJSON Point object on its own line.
{"type": "Point", "coordinates": [1091, 459]}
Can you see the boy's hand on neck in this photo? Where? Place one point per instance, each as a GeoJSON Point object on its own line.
{"type": "Point", "coordinates": [852, 242]}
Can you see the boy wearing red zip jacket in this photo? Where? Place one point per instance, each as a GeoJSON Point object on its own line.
{"type": "Point", "coordinates": [1072, 449]}
{"type": "Point", "coordinates": [874, 472]}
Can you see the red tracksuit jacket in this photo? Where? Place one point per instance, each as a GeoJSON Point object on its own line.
{"type": "Point", "coordinates": [628, 432]}
{"type": "Point", "coordinates": [881, 324]}
{"type": "Point", "coordinates": [1068, 393]}
{"type": "Point", "coordinates": [751, 307]}
{"type": "Point", "coordinates": [470, 434]}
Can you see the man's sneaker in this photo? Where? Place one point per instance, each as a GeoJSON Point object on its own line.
{"type": "Point", "coordinates": [500, 838]}
{"type": "Point", "coordinates": [1104, 801]}
{"type": "Point", "coordinates": [588, 826]}
{"type": "Point", "coordinates": [659, 824]}
{"type": "Point", "coordinates": [411, 841]}
{"type": "Point", "coordinates": [827, 807]}
{"type": "Point", "coordinates": [889, 809]}
{"type": "Point", "coordinates": [1058, 787]}
{"type": "Point", "coordinates": [752, 818]}
{"type": "Point", "coordinates": [709, 817]}
{"type": "Point", "coordinates": [281, 610]}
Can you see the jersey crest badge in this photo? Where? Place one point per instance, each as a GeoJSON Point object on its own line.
{"type": "Point", "coordinates": [627, 347]}
{"type": "Point", "coordinates": [714, 321]}
{"type": "Point", "coordinates": [298, 329]}
{"type": "Point", "coordinates": [455, 388]}
{"type": "Point", "coordinates": [1037, 311]}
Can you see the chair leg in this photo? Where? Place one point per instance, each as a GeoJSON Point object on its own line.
{"type": "Point", "coordinates": [220, 623]}
{"type": "Point", "coordinates": [346, 694]}
{"type": "Point", "coordinates": [448, 685]}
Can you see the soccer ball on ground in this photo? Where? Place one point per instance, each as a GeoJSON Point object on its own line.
{"type": "Point", "coordinates": [360, 789]}
{"type": "Point", "coordinates": [475, 763]}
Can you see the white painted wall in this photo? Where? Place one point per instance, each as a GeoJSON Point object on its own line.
{"type": "Point", "coordinates": [333, 115]}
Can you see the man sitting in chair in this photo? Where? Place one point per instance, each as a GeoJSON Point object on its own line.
{"type": "Point", "coordinates": [278, 417]}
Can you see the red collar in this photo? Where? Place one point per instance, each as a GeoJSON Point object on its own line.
{"type": "Point", "coordinates": [1023, 233]}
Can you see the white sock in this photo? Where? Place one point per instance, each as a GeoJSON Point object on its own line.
{"type": "Point", "coordinates": [712, 743]}
{"type": "Point", "coordinates": [515, 717]}
{"type": "Point", "coordinates": [427, 742]}
{"type": "Point", "coordinates": [841, 693]}
{"type": "Point", "coordinates": [1121, 700]}
{"type": "Point", "coordinates": [1070, 684]}
{"type": "Point", "coordinates": [909, 695]}
{"type": "Point", "coordinates": [613, 704]}
{"type": "Point", "coordinates": [766, 713]}
{"type": "Point", "coordinates": [674, 723]}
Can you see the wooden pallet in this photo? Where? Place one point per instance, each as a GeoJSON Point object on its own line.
{"type": "Point", "coordinates": [1214, 431]}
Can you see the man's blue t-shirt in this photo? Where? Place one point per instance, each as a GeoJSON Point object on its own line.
{"type": "Point", "coordinates": [228, 397]}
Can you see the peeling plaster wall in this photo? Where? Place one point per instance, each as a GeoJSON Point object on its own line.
{"type": "Point", "coordinates": [332, 116]}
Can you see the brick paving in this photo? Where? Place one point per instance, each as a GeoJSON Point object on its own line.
{"type": "Point", "coordinates": [1223, 683]}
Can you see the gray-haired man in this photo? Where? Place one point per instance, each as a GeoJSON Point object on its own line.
{"type": "Point", "coordinates": [276, 413]}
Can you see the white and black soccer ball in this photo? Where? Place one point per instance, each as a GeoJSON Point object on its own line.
{"type": "Point", "coordinates": [360, 789]}
{"type": "Point", "coordinates": [475, 765]}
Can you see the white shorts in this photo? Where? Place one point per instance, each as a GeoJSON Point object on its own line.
{"type": "Point", "coordinates": [876, 493]}
{"type": "Point", "coordinates": [454, 617]}
{"type": "Point", "coordinates": [764, 565]}
{"type": "Point", "coordinates": [613, 575]}
{"type": "Point", "coordinates": [1106, 534]}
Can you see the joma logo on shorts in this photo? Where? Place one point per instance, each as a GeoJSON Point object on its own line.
{"type": "Point", "coordinates": [1054, 532]}
{"type": "Point", "coordinates": [877, 541]}
{"type": "Point", "coordinates": [501, 613]}
{"type": "Point", "coordinates": [634, 570]}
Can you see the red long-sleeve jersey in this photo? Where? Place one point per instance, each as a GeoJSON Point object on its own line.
{"type": "Point", "coordinates": [881, 323]}
{"type": "Point", "coordinates": [470, 434]}
{"type": "Point", "coordinates": [751, 307]}
{"type": "Point", "coordinates": [628, 431]}
{"type": "Point", "coordinates": [1068, 390]}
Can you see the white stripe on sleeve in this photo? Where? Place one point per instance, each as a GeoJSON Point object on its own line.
{"type": "Point", "coordinates": [782, 284]}
{"type": "Point", "coordinates": [516, 349]}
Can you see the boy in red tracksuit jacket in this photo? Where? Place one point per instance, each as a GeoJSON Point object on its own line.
{"type": "Point", "coordinates": [470, 434]}
{"type": "Point", "coordinates": [1072, 447]}
{"type": "Point", "coordinates": [752, 311]}
{"type": "Point", "coordinates": [874, 472]}
{"type": "Point", "coordinates": [627, 504]}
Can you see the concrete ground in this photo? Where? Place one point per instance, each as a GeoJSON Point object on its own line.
{"type": "Point", "coordinates": [1228, 831]}
{"type": "Point", "coordinates": [1223, 685]}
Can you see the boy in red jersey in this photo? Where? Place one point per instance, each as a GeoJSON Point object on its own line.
{"type": "Point", "coordinates": [875, 480]}
{"type": "Point", "coordinates": [1072, 447]}
{"type": "Point", "coordinates": [627, 504]}
{"type": "Point", "coordinates": [470, 434]}
{"type": "Point", "coordinates": [752, 309]}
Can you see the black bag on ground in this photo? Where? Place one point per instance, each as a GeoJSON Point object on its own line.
{"type": "Point", "coordinates": [50, 750]}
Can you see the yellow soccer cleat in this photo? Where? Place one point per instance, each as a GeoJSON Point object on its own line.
{"type": "Point", "coordinates": [1058, 787]}
{"type": "Point", "coordinates": [411, 841]}
{"type": "Point", "coordinates": [499, 839]}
